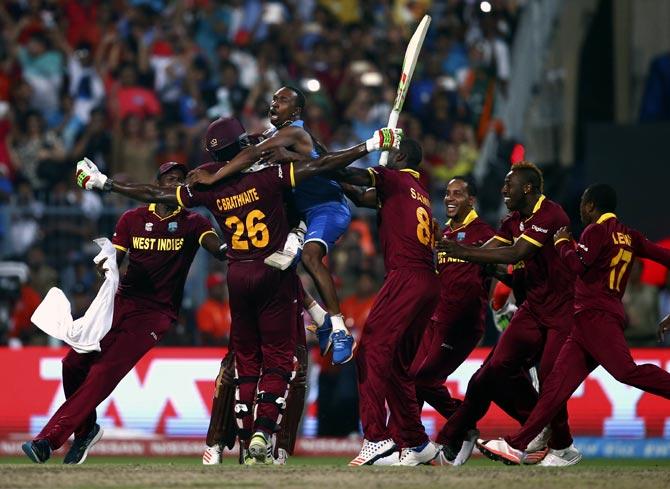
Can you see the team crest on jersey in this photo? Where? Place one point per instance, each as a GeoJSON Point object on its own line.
{"type": "Point", "coordinates": [521, 227]}
{"type": "Point", "coordinates": [148, 226]}
{"type": "Point", "coordinates": [172, 226]}
{"type": "Point", "coordinates": [460, 236]}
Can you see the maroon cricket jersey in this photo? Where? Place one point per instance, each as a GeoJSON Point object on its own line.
{"type": "Point", "coordinates": [249, 208]}
{"type": "Point", "coordinates": [548, 282]}
{"type": "Point", "coordinates": [160, 253]}
{"type": "Point", "coordinates": [603, 258]}
{"type": "Point", "coordinates": [404, 219]}
{"type": "Point", "coordinates": [462, 283]}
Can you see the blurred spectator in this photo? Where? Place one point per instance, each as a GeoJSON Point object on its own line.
{"type": "Point", "coordinates": [95, 142]}
{"type": "Point", "coordinates": [356, 307]}
{"type": "Point", "coordinates": [81, 298]}
{"type": "Point", "coordinates": [129, 98]}
{"type": "Point", "coordinates": [213, 316]}
{"type": "Point", "coordinates": [641, 305]}
{"type": "Point", "coordinates": [42, 276]}
{"type": "Point", "coordinates": [655, 105]}
{"type": "Point", "coordinates": [22, 328]}
{"type": "Point", "coordinates": [134, 148]}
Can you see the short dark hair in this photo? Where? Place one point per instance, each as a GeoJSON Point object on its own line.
{"type": "Point", "coordinates": [412, 150]}
{"type": "Point", "coordinates": [530, 174]}
{"type": "Point", "coordinates": [470, 182]}
{"type": "Point", "coordinates": [602, 196]}
{"type": "Point", "coordinates": [299, 96]}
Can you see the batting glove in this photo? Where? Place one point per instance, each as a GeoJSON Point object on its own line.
{"type": "Point", "coordinates": [88, 176]}
{"type": "Point", "coordinates": [384, 139]}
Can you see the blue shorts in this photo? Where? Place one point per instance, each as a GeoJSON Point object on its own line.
{"type": "Point", "coordinates": [326, 223]}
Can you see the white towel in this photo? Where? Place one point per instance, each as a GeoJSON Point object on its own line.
{"type": "Point", "coordinates": [54, 314]}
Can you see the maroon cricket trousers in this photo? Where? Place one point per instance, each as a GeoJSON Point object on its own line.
{"type": "Point", "coordinates": [89, 378]}
{"type": "Point", "coordinates": [388, 345]}
{"type": "Point", "coordinates": [444, 347]}
{"type": "Point", "coordinates": [597, 339]}
{"type": "Point", "coordinates": [503, 377]}
{"type": "Point", "coordinates": [263, 307]}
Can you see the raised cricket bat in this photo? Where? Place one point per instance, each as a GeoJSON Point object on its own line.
{"type": "Point", "coordinates": [408, 65]}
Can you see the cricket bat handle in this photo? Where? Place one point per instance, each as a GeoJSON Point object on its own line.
{"type": "Point", "coordinates": [393, 123]}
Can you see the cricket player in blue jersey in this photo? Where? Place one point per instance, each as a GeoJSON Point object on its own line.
{"type": "Point", "coordinates": [319, 201]}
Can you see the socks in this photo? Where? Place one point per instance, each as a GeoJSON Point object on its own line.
{"type": "Point", "coordinates": [317, 312]}
{"type": "Point", "coordinates": [338, 323]}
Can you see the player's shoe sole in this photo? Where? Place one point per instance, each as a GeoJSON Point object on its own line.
{"type": "Point", "coordinates": [500, 451]}
{"type": "Point", "coordinates": [258, 448]}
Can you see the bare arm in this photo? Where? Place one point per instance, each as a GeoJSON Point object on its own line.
{"type": "Point", "coordinates": [360, 196]}
{"type": "Point", "coordinates": [515, 253]}
{"type": "Point", "coordinates": [213, 244]}
{"type": "Point", "coordinates": [331, 162]}
{"type": "Point", "coordinates": [286, 138]}
{"type": "Point", "coordinates": [145, 192]}
{"type": "Point", "coordinates": [354, 176]}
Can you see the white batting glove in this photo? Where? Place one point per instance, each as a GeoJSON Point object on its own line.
{"type": "Point", "coordinates": [88, 176]}
{"type": "Point", "coordinates": [384, 139]}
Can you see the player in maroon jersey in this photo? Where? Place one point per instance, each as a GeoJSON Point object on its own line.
{"type": "Point", "coordinates": [401, 311]}
{"type": "Point", "coordinates": [538, 329]}
{"type": "Point", "coordinates": [249, 208]}
{"type": "Point", "coordinates": [457, 324]}
{"type": "Point", "coordinates": [161, 241]}
{"type": "Point", "coordinates": [602, 259]}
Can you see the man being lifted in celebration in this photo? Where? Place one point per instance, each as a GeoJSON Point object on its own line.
{"type": "Point", "coordinates": [318, 199]}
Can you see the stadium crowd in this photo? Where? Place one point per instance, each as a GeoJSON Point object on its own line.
{"type": "Point", "coordinates": [134, 83]}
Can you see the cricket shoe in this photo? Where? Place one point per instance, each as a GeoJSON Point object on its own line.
{"type": "Point", "coordinates": [79, 450]}
{"type": "Point", "coordinates": [260, 448]}
{"type": "Point", "coordinates": [290, 254]}
{"type": "Point", "coordinates": [421, 455]}
{"type": "Point", "coordinates": [324, 335]}
{"type": "Point", "coordinates": [343, 347]}
{"type": "Point", "coordinates": [561, 458]}
{"type": "Point", "coordinates": [540, 442]}
{"type": "Point", "coordinates": [212, 455]}
{"type": "Point", "coordinates": [372, 451]}
{"type": "Point", "coordinates": [391, 459]}
{"type": "Point", "coordinates": [38, 451]}
{"type": "Point", "coordinates": [469, 443]}
{"type": "Point", "coordinates": [281, 458]}
{"type": "Point", "coordinates": [500, 451]}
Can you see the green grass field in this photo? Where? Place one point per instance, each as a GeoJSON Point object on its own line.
{"type": "Point", "coordinates": [322, 472]}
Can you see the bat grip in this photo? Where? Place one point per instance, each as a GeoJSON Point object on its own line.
{"type": "Point", "coordinates": [393, 123]}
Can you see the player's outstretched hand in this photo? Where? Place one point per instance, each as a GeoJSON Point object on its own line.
{"type": "Point", "coordinates": [199, 175]}
{"type": "Point", "coordinates": [88, 176]}
{"type": "Point", "coordinates": [663, 328]}
{"type": "Point", "coordinates": [562, 233]}
{"type": "Point", "coordinates": [384, 139]}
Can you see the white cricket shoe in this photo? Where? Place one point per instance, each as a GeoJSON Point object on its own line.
{"type": "Point", "coordinates": [392, 459]}
{"type": "Point", "coordinates": [282, 457]}
{"type": "Point", "coordinates": [421, 455]}
{"type": "Point", "coordinates": [373, 450]}
{"type": "Point", "coordinates": [561, 458]}
{"type": "Point", "coordinates": [468, 445]}
{"type": "Point", "coordinates": [500, 451]}
{"type": "Point", "coordinates": [290, 254]}
{"type": "Point", "coordinates": [212, 455]}
{"type": "Point", "coordinates": [540, 442]}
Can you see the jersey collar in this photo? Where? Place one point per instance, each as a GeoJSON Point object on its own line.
{"type": "Point", "coordinates": [538, 204]}
{"type": "Point", "coordinates": [605, 217]}
{"type": "Point", "coordinates": [152, 209]}
{"type": "Point", "coordinates": [472, 215]}
{"type": "Point", "coordinates": [414, 173]}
